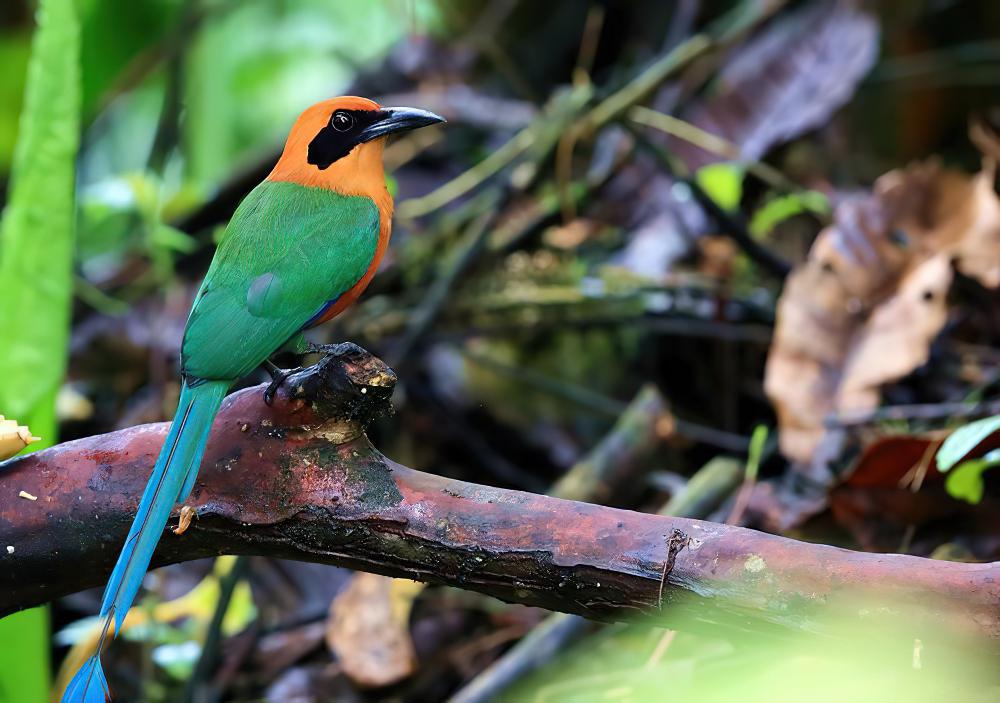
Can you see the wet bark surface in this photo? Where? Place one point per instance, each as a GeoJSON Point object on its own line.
{"type": "Point", "coordinates": [300, 480]}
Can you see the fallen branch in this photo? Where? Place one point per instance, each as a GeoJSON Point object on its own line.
{"type": "Point", "coordinates": [301, 481]}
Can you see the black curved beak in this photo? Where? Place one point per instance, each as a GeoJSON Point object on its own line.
{"type": "Point", "coordinates": [398, 119]}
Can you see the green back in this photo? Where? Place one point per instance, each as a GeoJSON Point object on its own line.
{"type": "Point", "coordinates": [287, 252]}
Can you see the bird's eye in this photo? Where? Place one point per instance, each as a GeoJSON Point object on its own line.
{"type": "Point", "coordinates": [342, 121]}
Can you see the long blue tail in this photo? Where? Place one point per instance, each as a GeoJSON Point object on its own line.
{"type": "Point", "coordinates": [172, 480]}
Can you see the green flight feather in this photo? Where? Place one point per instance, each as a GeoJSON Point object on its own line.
{"type": "Point", "coordinates": [288, 250]}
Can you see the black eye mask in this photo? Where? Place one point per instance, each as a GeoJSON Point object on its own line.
{"type": "Point", "coordinates": [348, 128]}
{"type": "Point", "coordinates": [332, 144]}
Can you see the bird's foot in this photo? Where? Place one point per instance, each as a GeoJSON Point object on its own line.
{"type": "Point", "coordinates": [341, 349]}
{"type": "Point", "coordinates": [187, 514]}
{"type": "Point", "coordinates": [278, 376]}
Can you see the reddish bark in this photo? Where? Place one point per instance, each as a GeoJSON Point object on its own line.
{"type": "Point", "coordinates": [294, 481]}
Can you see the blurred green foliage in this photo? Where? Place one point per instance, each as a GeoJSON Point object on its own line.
{"type": "Point", "coordinates": [758, 440]}
{"type": "Point", "coordinates": [158, 145]}
{"type": "Point", "coordinates": [966, 482]}
{"type": "Point", "coordinates": [963, 440]}
{"type": "Point", "coordinates": [723, 183]}
{"type": "Point", "coordinates": [114, 34]}
{"type": "Point", "coordinates": [36, 233]}
{"type": "Point", "coordinates": [878, 660]}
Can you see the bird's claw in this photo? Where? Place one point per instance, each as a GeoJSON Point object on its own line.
{"type": "Point", "coordinates": [187, 514]}
{"type": "Point", "coordinates": [340, 349]}
{"type": "Point", "coordinates": [278, 377]}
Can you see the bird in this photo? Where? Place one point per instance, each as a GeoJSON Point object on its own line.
{"type": "Point", "coordinates": [300, 248]}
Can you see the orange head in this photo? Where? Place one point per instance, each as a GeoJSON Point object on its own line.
{"type": "Point", "coordinates": [337, 144]}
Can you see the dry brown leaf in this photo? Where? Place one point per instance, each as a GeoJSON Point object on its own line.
{"type": "Point", "coordinates": [369, 629]}
{"type": "Point", "coordinates": [570, 235]}
{"type": "Point", "coordinates": [863, 309]}
{"type": "Point", "coordinates": [786, 81]}
{"type": "Point", "coordinates": [978, 252]}
{"type": "Point", "coordinates": [897, 336]}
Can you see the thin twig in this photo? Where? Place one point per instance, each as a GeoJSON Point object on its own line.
{"type": "Point", "coordinates": [668, 124]}
{"type": "Point", "coordinates": [470, 179]}
{"type": "Point", "coordinates": [919, 411]}
{"type": "Point", "coordinates": [677, 541]}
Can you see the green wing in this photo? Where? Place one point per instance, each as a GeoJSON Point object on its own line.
{"type": "Point", "coordinates": [287, 252]}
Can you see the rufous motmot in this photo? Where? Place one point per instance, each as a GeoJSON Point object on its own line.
{"type": "Point", "coordinates": [299, 249]}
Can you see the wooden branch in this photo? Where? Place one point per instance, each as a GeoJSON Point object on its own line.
{"type": "Point", "coordinates": [301, 481]}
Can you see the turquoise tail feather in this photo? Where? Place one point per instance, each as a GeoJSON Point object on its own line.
{"type": "Point", "coordinates": [171, 481]}
{"type": "Point", "coordinates": [89, 684]}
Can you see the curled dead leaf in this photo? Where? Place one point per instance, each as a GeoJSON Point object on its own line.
{"type": "Point", "coordinates": [864, 307]}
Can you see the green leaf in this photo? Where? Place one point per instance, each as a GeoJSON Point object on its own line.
{"type": "Point", "coordinates": [963, 440]}
{"type": "Point", "coordinates": [24, 646]}
{"type": "Point", "coordinates": [757, 441]}
{"type": "Point", "coordinates": [36, 234]}
{"type": "Point", "coordinates": [966, 481]}
{"type": "Point", "coordinates": [779, 209]}
{"type": "Point", "coordinates": [723, 183]}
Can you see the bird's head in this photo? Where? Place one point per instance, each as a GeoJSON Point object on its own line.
{"type": "Point", "coordinates": [337, 144]}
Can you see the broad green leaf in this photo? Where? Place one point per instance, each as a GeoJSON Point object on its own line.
{"type": "Point", "coordinates": [966, 481]}
{"type": "Point", "coordinates": [963, 440]}
{"type": "Point", "coordinates": [36, 233]}
{"type": "Point", "coordinates": [723, 183]}
{"type": "Point", "coordinates": [24, 646]}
